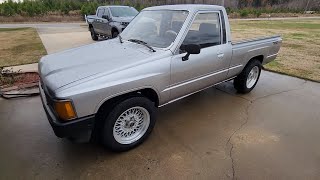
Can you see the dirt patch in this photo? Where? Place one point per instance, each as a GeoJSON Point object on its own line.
{"type": "Point", "coordinates": [20, 46]}
{"type": "Point", "coordinates": [299, 55]}
{"type": "Point", "coordinates": [13, 81]}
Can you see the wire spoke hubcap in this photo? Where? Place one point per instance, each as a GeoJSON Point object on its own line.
{"type": "Point", "coordinates": [252, 77]}
{"type": "Point", "coordinates": [131, 125]}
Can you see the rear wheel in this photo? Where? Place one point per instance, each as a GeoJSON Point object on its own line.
{"type": "Point", "coordinates": [248, 78]}
{"type": "Point", "coordinates": [94, 36]}
{"type": "Point", "coordinates": [128, 124]}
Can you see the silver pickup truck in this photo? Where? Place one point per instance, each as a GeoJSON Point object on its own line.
{"type": "Point", "coordinates": [110, 90]}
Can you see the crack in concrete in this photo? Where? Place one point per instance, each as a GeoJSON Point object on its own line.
{"type": "Point", "coordinates": [232, 162]}
{"type": "Point", "coordinates": [232, 145]}
{"type": "Point", "coordinates": [251, 102]}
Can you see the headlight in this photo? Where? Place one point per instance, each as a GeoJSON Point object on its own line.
{"type": "Point", "coordinates": [65, 109]}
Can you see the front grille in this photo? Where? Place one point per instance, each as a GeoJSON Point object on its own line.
{"type": "Point", "coordinates": [125, 23]}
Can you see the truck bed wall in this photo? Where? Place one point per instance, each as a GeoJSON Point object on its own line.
{"type": "Point", "coordinates": [244, 51]}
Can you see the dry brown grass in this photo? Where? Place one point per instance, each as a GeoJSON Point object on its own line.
{"type": "Point", "coordinates": [20, 46]}
{"type": "Point", "coordinates": [300, 52]}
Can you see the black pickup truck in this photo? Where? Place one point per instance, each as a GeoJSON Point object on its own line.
{"type": "Point", "coordinates": [109, 21]}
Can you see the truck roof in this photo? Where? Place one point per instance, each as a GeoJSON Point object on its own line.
{"type": "Point", "coordinates": [113, 6]}
{"type": "Point", "coordinates": [188, 7]}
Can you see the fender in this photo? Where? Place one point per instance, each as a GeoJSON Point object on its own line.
{"type": "Point", "coordinates": [123, 93]}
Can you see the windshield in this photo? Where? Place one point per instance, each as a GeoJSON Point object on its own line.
{"type": "Point", "coordinates": [123, 11]}
{"type": "Point", "coordinates": [157, 28]}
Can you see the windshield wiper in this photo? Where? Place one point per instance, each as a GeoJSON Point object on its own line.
{"type": "Point", "coordinates": [120, 38]}
{"type": "Point", "coordinates": [142, 43]}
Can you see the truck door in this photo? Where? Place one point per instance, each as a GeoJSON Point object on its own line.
{"type": "Point", "coordinates": [204, 69]}
{"type": "Point", "coordinates": [98, 21]}
{"type": "Point", "coordinates": [105, 25]}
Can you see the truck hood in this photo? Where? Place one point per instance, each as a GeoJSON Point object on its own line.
{"type": "Point", "coordinates": [60, 69]}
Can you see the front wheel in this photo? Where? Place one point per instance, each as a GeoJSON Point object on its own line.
{"type": "Point", "coordinates": [128, 124]}
{"type": "Point", "coordinates": [248, 78]}
{"type": "Point", "coordinates": [115, 34]}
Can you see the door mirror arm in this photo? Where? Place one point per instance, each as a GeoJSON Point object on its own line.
{"type": "Point", "coordinates": [186, 57]}
{"type": "Point", "coordinates": [190, 49]}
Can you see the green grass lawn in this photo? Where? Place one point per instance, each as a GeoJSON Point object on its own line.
{"type": "Point", "coordinates": [20, 46]}
{"type": "Point", "coordinates": [300, 52]}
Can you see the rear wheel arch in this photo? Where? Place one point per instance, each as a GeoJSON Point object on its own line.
{"type": "Point", "coordinates": [259, 58]}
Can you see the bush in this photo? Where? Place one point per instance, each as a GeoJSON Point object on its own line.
{"type": "Point", "coordinates": [7, 10]}
{"type": "Point", "coordinates": [244, 13]}
{"type": "Point", "coordinates": [89, 8]}
{"type": "Point", "coordinates": [229, 10]}
{"type": "Point", "coordinates": [257, 12]}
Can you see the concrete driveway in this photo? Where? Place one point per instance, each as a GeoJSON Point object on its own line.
{"type": "Point", "coordinates": [271, 133]}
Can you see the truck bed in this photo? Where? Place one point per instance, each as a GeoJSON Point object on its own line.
{"type": "Point", "coordinates": [266, 48]}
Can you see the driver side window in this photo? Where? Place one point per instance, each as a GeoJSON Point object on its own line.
{"type": "Point", "coordinates": [100, 12]}
{"type": "Point", "coordinates": [205, 30]}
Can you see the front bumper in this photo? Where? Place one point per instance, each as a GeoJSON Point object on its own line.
{"type": "Point", "coordinates": [79, 129]}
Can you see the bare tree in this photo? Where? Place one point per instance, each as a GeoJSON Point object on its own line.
{"type": "Point", "coordinates": [305, 10]}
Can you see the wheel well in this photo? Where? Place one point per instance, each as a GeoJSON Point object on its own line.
{"type": "Point", "coordinates": [90, 26]}
{"type": "Point", "coordinates": [148, 93]}
{"type": "Point", "coordinates": [259, 58]}
{"type": "Point", "coordinates": [114, 30]}
{"type": "Point", "coordinates": [109, 104]}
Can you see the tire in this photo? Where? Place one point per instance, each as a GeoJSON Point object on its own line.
{"type": "Point", "coordinates": [242, 83]}
{"type": "Point", "coordinates": [93, 34]}
{"type": "Point", "coordinates": [122, 131]}
{"type": "Point", "coordinates": [115, 34]}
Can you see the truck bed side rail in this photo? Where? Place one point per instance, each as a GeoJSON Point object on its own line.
{"type": "Point", "coordinates": [255, 39]}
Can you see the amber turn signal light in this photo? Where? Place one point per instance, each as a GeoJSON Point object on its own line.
{"type": "Point", "coordinates": [65, 110]}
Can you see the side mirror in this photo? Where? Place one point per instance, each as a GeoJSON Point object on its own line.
{"type": "Point", "coordinates": [105, 17]}
{"type": "Point", "coordinates": [190, 49]}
